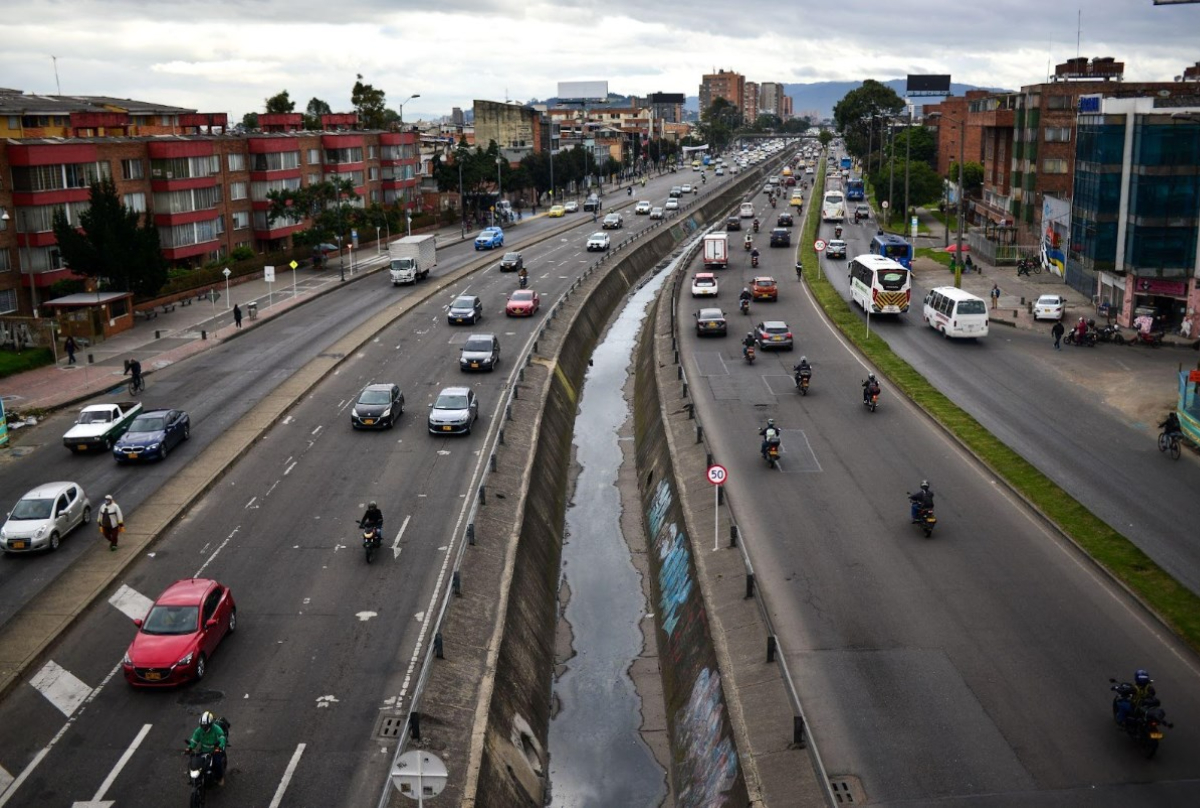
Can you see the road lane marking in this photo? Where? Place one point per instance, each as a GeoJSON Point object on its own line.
{"type": "Point", "coordinates": [396, 543]}
{"type": "Point", "coordinates": [12, 788]}
{"type": "Point", "coordinates": [249, 504]}
{"type": "Point", "coordinates": [217, 551]}
{"type": "Point", "coordinates": [6, 779]}
{"type": "Point", "coordinates": [60, 687]}
{"type": "Point", "coordinates": [288, 470]}
{"type": "Point", "coordinates": [287, 777]}
{"type": "Point", "coordinates": [132, 603]}
{"type": "Point", "coordinates": [116, 770]}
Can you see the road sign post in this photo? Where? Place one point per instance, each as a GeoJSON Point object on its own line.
{"type": "Point", "coordinates": [419, 774]}
{"type": "Point", "coordinates": [819, 245]}
{"type": "Point", "coordinates": [717, 475]}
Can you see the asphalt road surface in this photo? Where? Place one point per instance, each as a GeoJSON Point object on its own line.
{"type": "Point", "coordinates": [972, 666]}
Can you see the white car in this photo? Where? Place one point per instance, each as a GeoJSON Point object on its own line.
{"type": "Point", "coordinates": [642, 208]}
{"type": "Point", "coordinates": [597, 241]}
{"type": "Point", "coordinates": [672, 204]}
{"type": "Point", "coordinates": [43, 516]}
{"type": "Point", "coordinates": [687, 188]}
{"type": "Point", "coordinates": [656, 212]}
{"type": "Point", "coordinates": [704, 284]}
{"type": "Point", "coordinates": [1049, 307]}
{"type": "Point", "coordinates": [720, 171]}
{"type": "Point", "coordinates": [571, 207]}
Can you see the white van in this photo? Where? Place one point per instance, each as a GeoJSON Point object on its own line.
{"type": "Point", "coordinates": [956, 313]}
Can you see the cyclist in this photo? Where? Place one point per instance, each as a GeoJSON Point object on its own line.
{"type": "Point", "coordinates": [133, 369]}
{"type": "Point", "coordinates": [1171, 427]}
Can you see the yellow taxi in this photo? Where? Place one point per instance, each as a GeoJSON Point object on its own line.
{"type": "Point", "coordinates": [557, 212]}
{"type": "Point", "coordinates": [797, 200]}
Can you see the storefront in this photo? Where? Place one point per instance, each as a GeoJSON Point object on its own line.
{"type": "Point", "coordinates": [92, 317]}
{"type": "Point", "coordinates": [1166, 299]}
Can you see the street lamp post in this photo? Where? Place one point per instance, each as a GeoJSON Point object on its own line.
{"type": "Point", "coordinates": [870, 143]}
{"type": "Point", "coordinates": [891, 174]}
{"type": "Point", "coordinates": [462, 202]}
{"type": "Point", "coordinates": [402, 103]}
{"type": "Point", "coordinates": [962, 156]}
{"type": "Point", "coordinates": [499, 182]}
{"type": "Point", "coordinates": [907, 155]}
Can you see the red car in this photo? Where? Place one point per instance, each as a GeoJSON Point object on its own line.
{"type": "Point", "coordinates": [179, 634]}
{"type": "Point", "coordinates": [522, 303]}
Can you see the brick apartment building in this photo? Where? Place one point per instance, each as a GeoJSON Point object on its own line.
{"type": "Point", "coordinates": [204, 188]}
{"type": "Point", "coordinates": [750, 102]}
{"type": "Point", "coordinates": [722, 84]}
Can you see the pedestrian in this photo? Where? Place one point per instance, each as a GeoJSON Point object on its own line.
{"type": "Point", "coordinates": [71, 349]}
{"type": "Point", "coordinates": [237, 315]}
{"type": "Point", "coordinates": [995, 295]}
{"type": "Point", "coordinates": [112, 522]}
{"type": "Point", "coordinates": [1058, 332]}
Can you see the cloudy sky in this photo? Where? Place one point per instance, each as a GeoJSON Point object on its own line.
{"type": "Point", "coordinates": [229, 55]}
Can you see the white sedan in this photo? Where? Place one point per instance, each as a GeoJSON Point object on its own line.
{"type": "Point", "coordinates": [672, 204]}
{"type": "Point", "coordinates": [597, 241]}
{"type": "Point", "coordinates": [643, 208]}
{"type": "Point", "coordinates": [1049, 307]}
{"type": "Point", "coordinates": [656, 212]}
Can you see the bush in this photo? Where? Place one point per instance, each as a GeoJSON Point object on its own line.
{"type": "Point", "coordinates": [12, 362]}
{"type": "Point", "coordinates": [242, 253]}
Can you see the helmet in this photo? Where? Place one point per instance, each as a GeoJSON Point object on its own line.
{"type": "Point", "coordinates": [804, 360]}
{"type": "Point", "coordinates": [372, 504]}
{"type": "Point", "coordinates": [1141, 677]}
{"type": "Point", "coordinates": [207, 718]}
{"type": "Point", "coordinates": [924, 485]}
{"type": "Point", "coordinates": [745, 288]}
{"type": "Point", "coordinates": [870, 377]}
{"type": "Point", "coordinates": [770, 422]}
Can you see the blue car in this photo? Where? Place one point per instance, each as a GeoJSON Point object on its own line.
{"type": "Point", "coordinates": [489, 238]}
{"type": "Point", "coordinates": [152, 435]}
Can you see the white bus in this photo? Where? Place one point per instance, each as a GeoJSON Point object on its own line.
{"type": "Point", "coordinates": [880, 285]}
{"type": "Point", "coordinates": [833, 207]}
{"type": "Point", "coordinates": [956, 313]}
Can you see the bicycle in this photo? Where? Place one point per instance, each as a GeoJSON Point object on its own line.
{"type": "Point", "coordinates": [1170, 442]}
{"type": "Point", "coordinates": [1028, 266]}
{"type": "Point", "coordinates": [137, 385]}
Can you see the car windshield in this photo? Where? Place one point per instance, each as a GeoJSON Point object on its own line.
{"type": "Point", "coordinates": [522, 297]}
{"type": "Point", "coordinates": [775, 329]}
{"type": "Point", "coordinates": [711, 314]}
{"type": "Point", "coordinates": [375, 397]}
{"type": "Point", "coordinates": [32, 509]}
{"type": "Point", "coordinates": [1047, 301]}
{"type": "Point", "coordinates": [156, 424]}
{"type": "Point", "coordinates": [463, 303]}
{"type": "Point", "coordinates": [512, 256]}
{"type": "Point", "coordinates": [478, 344]}
{"type": "Point", "coordinates": [99, 417]}
{"type": "Point", "coordinates": [172, 620]}
{"type": "Point", "coordinates": [704, 281]}
{"type": "Point", "coordinates": [451, 401]}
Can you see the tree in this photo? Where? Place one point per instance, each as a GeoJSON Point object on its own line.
{"type": "Point", "coordinates": [115, 247]}
{"type": "Point", "coordinates": [824, 137]}
{"type": "Point", "coordinates": [250, 121]}
{"type": "Point", "coordinates": [326, 203]}
{"type": "Point", "coordinates": [312, 114]}
{"type": "Point", "coordinates": [718, 122]}
{"type": "Point", "coordinates": [280, 103]}
{"type": "Point", "coordinates": [854, 114]}
{"type": "Point", "coordinates": [972, 177]}
{"type": "Point", "coordinates": [370, 105]}
{"type": "Point", "coordinates": [921, 144]}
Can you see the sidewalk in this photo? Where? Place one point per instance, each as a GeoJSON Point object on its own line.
{"type": "Point", "coordinates": [187, 330]}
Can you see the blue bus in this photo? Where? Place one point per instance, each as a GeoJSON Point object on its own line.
{"type": "Point", "coordinates": [847, 163]}
{"type": "Point", "coordinates": [893, 247]}
{"type": "Point", "coordinates": [855, 190]}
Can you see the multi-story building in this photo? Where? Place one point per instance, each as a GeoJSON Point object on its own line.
{"type": "Point", "coordinates": [749, 103]}
{"type": "Point", "coordinates": [785, 107]}
{"type": "Point", "coordinates": [722, 84]}
{"type": "Point", "coordinates": [24, 116]}
{"type": "Point", "coordinates": [1134, 237]}
{"type": "Point", "coordinates": [770, 98]}
{"type": "Point", "coordinates": [516, 128]}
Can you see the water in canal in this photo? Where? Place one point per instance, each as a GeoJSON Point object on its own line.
{"type": "Point", "coordinates": [597, 755]}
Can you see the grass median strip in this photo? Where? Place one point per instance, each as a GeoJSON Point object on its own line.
{"type": "Point", "coordinates": [1175, 604]}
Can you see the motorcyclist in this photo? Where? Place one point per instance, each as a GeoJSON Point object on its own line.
{"type": "Point", "coordinates": [372, 519]}
{"type": "Point", "coordinates": [523, 277]}
{"type": "Point", "coordinates": [770, 434]}
{"type": "Point", "coordinates": [802, 369]}
{"type": "Point", "coordinates": [755, 225]}
{"type": "Point", "coordinates": [744, 300]}
{"type": "Point", "coordinates": [748, 242]}
{"type": "Point", "coordinates": [922, 500]}
{"type": "Point", "coordinates": [210, 737]}
{"type": "Point", "coordinates": [1130, 697]}
{"type": "Point", "coordinates": [754, 255]}
{"type": "Point", "coordinates": [1080, 331]}
{"type": "Point", "coordinates": [856, 217]}
{"type": "Point", "coordinates": [748, 342]}
{"type": "Point", "coordinates": [837, 231]}
{"type": "Point", "coordinates": [869, 385]}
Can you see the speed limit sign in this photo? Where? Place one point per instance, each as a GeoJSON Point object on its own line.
{"type": "Point", "coordinates": [717, 474]}
{"type": "Point", "coordinates": [819, 245]}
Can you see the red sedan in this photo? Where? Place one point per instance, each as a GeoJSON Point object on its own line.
{"type": "Point", "coordinates": [182, 630]}
{"type": "Point", "coordinates": [522, 303]}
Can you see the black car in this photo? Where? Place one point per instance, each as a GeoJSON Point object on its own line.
{"type": "Point", "coordinates": [733, 223]}
{"type": "Point", "coordinates": [378, 406]}
{"type": "Point", "coordinates": [781, 237]}
{"type": "Point", "coordinates": [784, 220]}
{"type": "Point", "coordinates": [481, 352]}
{"type": "Point", "coordinates": [465, 309]}
{"type": "Point", "coordinates": [710, 321]}
{"type": "Point", "coordinates": [511, 262]}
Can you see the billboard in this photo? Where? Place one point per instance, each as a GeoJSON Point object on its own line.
{"type": "Point", "coordinates": [928, 84]}
{"type": "Point", "coordinates": [582, 90]}
{"type": "Point", "coordinates": [667, 98]}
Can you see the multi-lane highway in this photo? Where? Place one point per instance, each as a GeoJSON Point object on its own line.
{"type": "Point", "coordinates": [972, 666]}
{"type": "Point", "coordinates": [324, 642]}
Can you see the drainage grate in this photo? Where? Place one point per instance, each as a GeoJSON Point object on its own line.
{"type": "Point", "coordinates": [847, 790]}
{"type": "Point", "coordinates": [390, 726]}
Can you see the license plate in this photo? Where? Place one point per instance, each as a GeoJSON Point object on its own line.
{"type": "Point", "coordinates": [82, 447]}
{"type": "Point", "coordinates": [1157, 736]}
{"type": "Point", "coordinates": [152, 676]}
{"type": "Point", "coordinates": [447, 428]}
{"type": "Point", "coordinates": [130, 456]}
{"type": "Point", "coordinates": [474, 364]}
{"type": "Point", "coordinates": [776, 339]}
{"type": "Point", "coordinates": [19, 545]}
{"type": "Point", "coordinates": [368, 421]}
{"type": "Point", "coordinates": [459, 319]}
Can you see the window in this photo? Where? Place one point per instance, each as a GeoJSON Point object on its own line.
{"type": "Point", "coordinates": [237, 162]}
{"type": "Point", "coordinates": [260, 189]}
{"type": "Point", "coordinates": [374, 172]}
{"type": "Point", "coordinates": [372, 152]}
{"type": "Point", "coordinates": [40, 219]}
{"type": "Point", "coordinates": [8, 301]}
{"type": "Point", "coordinates": [177, 168]}
{"type": "Point", "coordinates": [313, 179]}
{"type": "Point", "coordinates": [60, 176]}
{"type": "Point", "coordinates": [187, 200]}
{"type": "Point", "coordinates": [132, 169]}
{"type": "Point", "coordinates": [135, 202]}
{"type": "Point", "coordinates": [314, 157]}
{"type": "Point", "coordinates": [241, 219]}
{"type": "Point", "coordinates": [1058, 134]}
{"type": "Point", "coordinates": [275, 161]}
{"type": "Point", "coordinates": [237, 190]}
{"type": "Point", "coordinates": [5, 266]}
{"type": "Point", "coordinates": [1054, 166]}
{"type": "Point", "coordinates": [1058, 102]}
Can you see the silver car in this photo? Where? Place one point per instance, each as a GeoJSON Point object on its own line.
{"type": "Point", "coordinates": [43, 516]}
{"type": "Point", "coordinates": [454, 412]}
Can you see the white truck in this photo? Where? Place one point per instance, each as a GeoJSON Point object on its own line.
{"type": "Point", "coordinates": [411, 258]}
{"type": "Point", "coordinates": [716, 250]}
{"type": "Point", "coordinates": [99, 425]}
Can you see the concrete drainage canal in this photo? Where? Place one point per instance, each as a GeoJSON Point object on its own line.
{"type": "Point", "coordinates": [608, 738]}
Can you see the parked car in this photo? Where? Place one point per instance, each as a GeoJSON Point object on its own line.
{"type": "Point", "coordinates": [781, 237]}
{"type": "Point", "coordinates": [489, 238]}
{"type": "Point", "coordinates": [764, 287]}
{"type": "Point", "coordinates": [733, 223]}
{"type": "Point", "coordinates": [704, 284]}
{"type": "Point", "coordinates": [511, 262]}
{"type": "Point", "coordinates": [179, 634]}
{"type": "Point", "coordinates": [1049, 307]}
{"type": "Point", "coordinates": [42, 517]}
{"type": "Point", "coordinates": [480, 352]}
{"type": "Point", "coordinates": [598, 241]}
{"type": "Point", "coordinates": [556, 212]}
{"type": "Point", "coordinates": [836, 248]}
{"type": "Point", "coordinates": [613, 221]}
{"type": "Point", "coordinates": [571, 207]}
{"type": "Point", "coordinates": [152, 435]}
{"type": "Point", "coordinates": [656, 212]}
{"type": "Point", "coordinates": [642, 208]}
{"type": "Point", "coordinates": [711, 322]}
{"type": "Point", "coordinates": [523, 303]}
{"type": "Point", "coordinates": [465, 310]}
{"type": "Point", "coordinates": [773, 334]}
{"type": "Point", "coordinates": [378, 406]}
{"type": "Point", "coordinates": [454, 412]}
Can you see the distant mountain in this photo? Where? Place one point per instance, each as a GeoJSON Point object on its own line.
{"type": "Point", "coordinates": [821, 96]}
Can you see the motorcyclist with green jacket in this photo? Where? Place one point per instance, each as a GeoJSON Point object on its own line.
{"type": "Point", "coordinates": [210, 737]}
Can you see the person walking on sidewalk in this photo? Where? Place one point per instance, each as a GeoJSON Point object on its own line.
{"type": "Point", "coordinates": [111, 520]}
{"type": "Point", "coordinates": [237, 316]}
{"type": "Point", "coordinates": [71, 349]}
{"type": "Point", "coordinates": [995, 295]}
{"type": "Point", "coordinates": [1058, 332]}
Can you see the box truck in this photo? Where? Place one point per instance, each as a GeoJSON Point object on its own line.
{"type": "Point", "coordinates": [716, 250]}
{"type": "Point", "coordinates": [411, 258]}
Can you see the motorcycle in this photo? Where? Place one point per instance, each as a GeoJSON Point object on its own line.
{"type": "Point", "coordinates": [1142, 721]}
{"type": "Point", "coordinates": [1088, 339]}
{"type": "Point", "coordinates": [772, 452]}
{"type": "Point", "coordinates": [522, 281]}
{"type": "Point", "coordinates": [754, 258]}
{"type": "Point", "coordinates": [925, 520]}
{"type": "Point", "coordinates": [748, 353]}
{"type": "Point", "coordinates": [1111, 333]}
{"type": "Point", "coordinates": [803, 377]}
{"type": "Point", "coordinates": [1151, 338]}
{"type": "Point", "coordinates": [200, 769]}
{"type": "Point", "coordinates": [744, 305]}
{"type": "Point", "coordinates": [837, 231]}
{"type": "Point", "coordinates": [755, 225]}
{"type": "Point", "coordinates": [1028, 266]}
{"type": "Point", "coordinates": [747, 244]}
{"type": "Point", "coordinates": [772, 201]}
{"type": "Point", "coordinates": [872, 399]}
{"type": "Point", "coordinates": [372, 539]}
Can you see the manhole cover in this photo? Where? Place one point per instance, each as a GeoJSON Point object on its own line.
{"type": "Point", "coordinates": [847, 790]}
{"type": "Point", "coordinates": [390, 726]}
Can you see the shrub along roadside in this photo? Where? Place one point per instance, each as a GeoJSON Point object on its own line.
{"type": "Point", "coordinates": [1175, 604]}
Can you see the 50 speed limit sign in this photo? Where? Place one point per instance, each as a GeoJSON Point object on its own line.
{"type": "Point", "coordinates": [717, 474]}
{"type": "Point", "coordinates": [819, 245]}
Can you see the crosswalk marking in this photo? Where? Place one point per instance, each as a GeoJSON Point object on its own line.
{"type": "Point", "coordinates": [60, 687]}
{"type": "Point", "coordinates": [131, 602]}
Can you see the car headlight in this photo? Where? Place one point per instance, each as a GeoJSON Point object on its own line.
{"type": "Point", "coordinates": [354, 412]}
{"type": "Point", "coordinates": [125, 660]}
{"type": "Point", "coordinates": [386, 413]}
{"type": "Point", "coordinates": [187, 659]}
{"type": "Point", "coordinates": [41, 531]}
{"type": "Point", "coordinates": [152, 447]}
